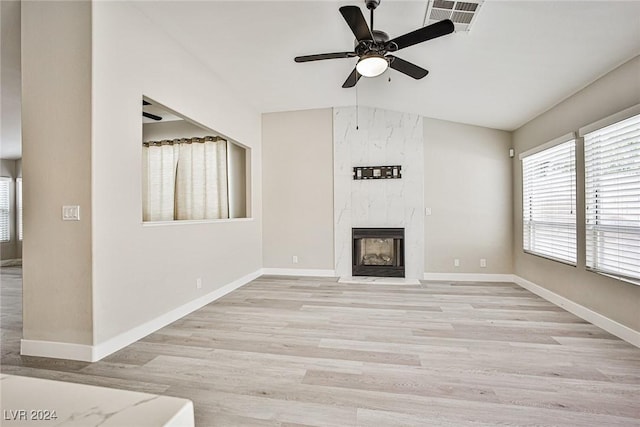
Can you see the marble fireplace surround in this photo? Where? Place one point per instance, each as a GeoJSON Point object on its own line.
{"type": "Point", "coordinates": [382, 138]}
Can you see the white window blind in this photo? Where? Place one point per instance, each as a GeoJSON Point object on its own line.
{"type": "Point", "coordinates": [19, 207]}
{"type": "Point", "coordinates": [612, 181]}
{"type": "Point", "coordinates": [5, 184]}
{"type": "Point", "coordinates": [549, 202]}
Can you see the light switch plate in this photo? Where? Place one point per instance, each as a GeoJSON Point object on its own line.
{"type": "Point", "coordinates": [71, 213]}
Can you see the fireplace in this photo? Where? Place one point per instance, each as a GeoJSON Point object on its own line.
{"type": "Point", "coordinates": [378, 252]}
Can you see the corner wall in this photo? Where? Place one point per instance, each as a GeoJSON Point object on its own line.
{"type": "Point", "coordinates": [614, 299]}
{"type": "Point", "coordinates": [298, 189]}
{"type": "Point", "coordinates": [56, 119]}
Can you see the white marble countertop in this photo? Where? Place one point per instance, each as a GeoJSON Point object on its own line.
{"type": "Point", "coordinates": [32, 401]}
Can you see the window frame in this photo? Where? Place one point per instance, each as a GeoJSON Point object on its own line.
{"type": "Point", "coordinates": [8, 180]}
{"type": "Point", "coordinates": [583, 132]}
{"type": "Point", "coordinates": [19, 211]}
{"type": "Point", "coordinates": [243, 193]}
{"type": "Point", "coordinates": [564, 139]}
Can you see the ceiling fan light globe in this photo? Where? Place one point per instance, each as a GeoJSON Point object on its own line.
{"type": "Point", "coordinates": [372, 65]}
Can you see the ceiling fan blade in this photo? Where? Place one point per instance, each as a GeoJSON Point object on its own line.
{"type": "Point", "coordinates": [151, 116]}
{"type": "Point", "coordinates": [320, 56]}
{"type": "Point", "coordinates": [406, 67]}
{"type": "Point", "coordinates": [420, 35]}
{"type": "Point", "coordinates": [355, 19]}
{"type": "Point", "coordinates": [352, 79]}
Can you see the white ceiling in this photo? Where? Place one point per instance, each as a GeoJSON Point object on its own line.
{"type": "Point", "coordinates": [519, 59]}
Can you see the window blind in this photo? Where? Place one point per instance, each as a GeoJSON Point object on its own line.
{"type": "Point", "coordinates": [612, 187]}
{"type": "Point", "coordinates": [549, 202]}
{"type": "Point", "coordinates": [4, 208]}
{"type": "Point", "coordinates": [19, 207]}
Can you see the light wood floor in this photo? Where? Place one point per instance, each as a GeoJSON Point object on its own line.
{"type": "Point", "coordinates": [312, 352]}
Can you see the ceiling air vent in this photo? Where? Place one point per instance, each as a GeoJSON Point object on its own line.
{"type": "Point", "coordinates": [462, 13]}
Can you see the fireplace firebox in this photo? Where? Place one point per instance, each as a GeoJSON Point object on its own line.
{"type": "Point", "coordinates": [378, 252]}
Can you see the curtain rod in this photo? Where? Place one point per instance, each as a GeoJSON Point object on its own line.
{"type": "Point", "coordinates": [183, 141]}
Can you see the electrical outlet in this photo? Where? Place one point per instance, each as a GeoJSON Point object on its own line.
{"type": "Point", "coordinates": [198, 283]}
{"type": "Point", "coordinates": [294, 259]}
{"type": "Point", "coordinates": [456, 262]}
{"type": "Point", "coordinates": [483, 262]}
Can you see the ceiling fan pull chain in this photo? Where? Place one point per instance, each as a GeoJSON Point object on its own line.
{"type": "Point", "coordinates": [357, 112]}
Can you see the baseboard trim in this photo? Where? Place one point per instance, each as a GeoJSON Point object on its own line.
{"type": "Point", "coordinates": [88, 353]}
{"type": "Point", "coordinates": [469, 277]}
{"type": "Point", "coordinates": [298, 272]}
{"type": "Point", "coordinates": [56, 350]}
{"type": "Point", "coordinates": [621, 331]}
{"type": "Point", "coordinates": [126, 338]}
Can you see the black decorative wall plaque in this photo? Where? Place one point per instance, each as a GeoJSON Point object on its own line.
{"type": "Point", "coordinates": [377, 172]}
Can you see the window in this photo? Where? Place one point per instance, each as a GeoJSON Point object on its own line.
{"type": "Point", "coordinates": [19, 207]}
{"type": "Point", "coordinates": [5, 210]}
{"type": "Point", "coordinates": [612, 199]}
{"type": "Point", "coordinates": [549, 200]}
{"type": "Point", "coordinates": [190, 172]}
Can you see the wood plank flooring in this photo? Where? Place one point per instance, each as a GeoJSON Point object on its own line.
{"type": "Point", "coordinates": [285, 351]}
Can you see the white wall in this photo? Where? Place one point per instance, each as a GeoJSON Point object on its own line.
{"type": "Point", "coordinates": [467, 186]}
{"type": "Point", "coordinates": [298, 189]}
{"type": "Point", "coordinates": [172, 130]}
{"type": "Point", "coordinates": [615, 299]}
{"type": "Point", "coordinates": [154, 270]}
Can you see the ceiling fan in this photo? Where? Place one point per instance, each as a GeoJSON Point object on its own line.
{"type": "Point", "coordinates": [149, 115]}
{"type": "Point", "coordinates": [373, 46]}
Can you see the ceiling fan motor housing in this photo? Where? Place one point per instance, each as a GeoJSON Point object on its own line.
{"type": "Point", "coordinates": [372, 4]}
{"type": "Point", "coordinates": [379, 43]}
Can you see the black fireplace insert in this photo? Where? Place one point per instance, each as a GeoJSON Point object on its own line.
{"type": "Point", "coordinates": [378, 252]}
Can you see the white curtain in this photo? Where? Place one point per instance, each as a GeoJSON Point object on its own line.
{"type": "Point", "coordinates": [159, 163]}
{"type": "Point", "coordinates": [201, 180]}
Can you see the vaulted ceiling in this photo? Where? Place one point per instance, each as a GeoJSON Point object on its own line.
{"type": "Point", "coordinates": [519, 59]}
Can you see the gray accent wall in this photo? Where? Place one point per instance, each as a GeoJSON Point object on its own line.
{"type": "Point", "coordinates": [56, 148]}
{"type": "Point", "coordinates": [297, 187]}
{"type": "Point", "coordinates": [467, 178]}
{"type": "Point", "coordinates": [612, 298]}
